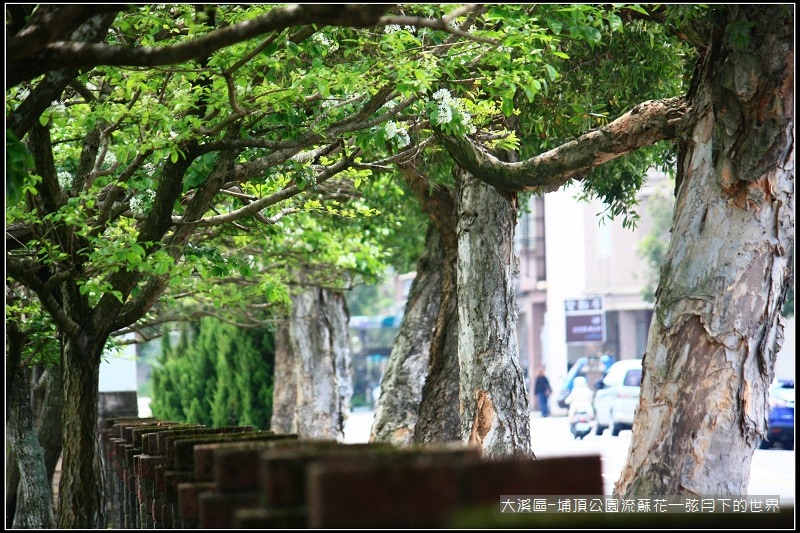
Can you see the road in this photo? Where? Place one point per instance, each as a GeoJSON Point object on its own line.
{"type": "Point", "coordinates": [772, 471]}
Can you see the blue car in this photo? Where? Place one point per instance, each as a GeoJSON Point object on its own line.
{"type": "Point", "coordinates": [780, 426]}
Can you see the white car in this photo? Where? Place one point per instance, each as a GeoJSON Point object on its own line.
{"type": "Point", "coordinates": [617, 396]}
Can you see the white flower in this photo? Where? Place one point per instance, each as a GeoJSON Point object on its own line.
{"type": "Point", "coordinates": [445, 102]}
{"type": "Point", "coordinates": [64, 179]}
{"type": "Point", "coordinates": [136, 205]}
{"type": "Point", "coordinates": [442, 94]}
{"type": "Point", "coordinates": [110, 159]}
{"type": "Point", "coordinates": [320, 38]}
{"type": "Point", "coordinates": [140, 204]}
{"type": "Point", "coordinates": [393, 130]}
{"type": "Point", "coordinates": [391, 28]}
{"type": "Point", "coordinates": [403, 139]}
{"type": "Point", "coordinates": [58, 107]}
{"type": "Point", "coordinates": [446, 105]}
{"type": "Point", "coordinates": [445, 113]}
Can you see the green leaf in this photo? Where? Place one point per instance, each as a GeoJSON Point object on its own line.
{"type": "Point", "coordinates": [592, 35]}
{"type": "Point", "coordinates": [555, 26]}
{"type": "Point", "coordinates": [507, 106]}
{"type": "Point", "coordinates": [615, 22]}
{"type": "Point", "coordinates": [18, 163]}
{"type": "Point", "coordinates": [292, 49]}
{"type": "Point", "coordinates": [323, 87]}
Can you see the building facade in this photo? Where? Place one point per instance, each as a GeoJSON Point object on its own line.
{"type": "Point", "coordinates": [580, 286]}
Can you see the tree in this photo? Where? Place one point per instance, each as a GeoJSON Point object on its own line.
{"type": "Point", "coordinates": [721, 294]}
{"type": "Point", "coordinates": [33, 410]}
{"type": "Point", "coordinates": [717, 325]}
{"type": "Point", "coordinates": [221, 375]}
{"type": "Point", "coordinates": [397, 414]}
{"type": "Point", "coordinates": [31, 505]}
{"type": "Point", "coordinates": [594, 97]}
{"type": "Point", "coordinates": [315, 342]}
{"type": "Point", "coordinates": [138, 171]}
{"type": "Point", "coordinates": [246, 130]}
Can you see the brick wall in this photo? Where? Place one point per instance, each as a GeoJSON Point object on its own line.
{"type": "Point", "coordinates": [166, 475]}
{"type": "Point", "coordinates": [163, 475]}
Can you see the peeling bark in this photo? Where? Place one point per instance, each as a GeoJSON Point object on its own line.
{"type": "Point", "coordinates": [423, 407]}
{"type": "Point", "coordinates": [717, 326]}
{"type": "Point", "coordinates": [494, 404]}
{"type": "Point", "coordinates": [439, 413]}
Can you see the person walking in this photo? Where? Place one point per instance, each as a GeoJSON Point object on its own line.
{"type": "Point", "coordinates": [542, 390]}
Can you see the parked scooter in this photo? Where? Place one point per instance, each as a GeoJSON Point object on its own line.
{"type": "Point", "coordinates": [581, 423]}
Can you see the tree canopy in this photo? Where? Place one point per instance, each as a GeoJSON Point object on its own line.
{"type": "Point", "coordinates": [186, 134]}
{"type": "Point", "coordinates": [170, 153]}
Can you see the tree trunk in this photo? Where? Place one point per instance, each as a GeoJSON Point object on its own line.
{"type": "Point", "coordinates": [319, 340]}
{"type": "Point", "coordinates": [494, 405]}
{"type": "Point", "coordinates": [32, 505]}
{"type": "Point", "coordinates": [80, 502]}
{"type": "Point", "coordinates": [717, 325]}
{"type": "Point", "coordinates": [49, 415]}
{"type": "Point", "coordinates": [439, 413]}
{"type": "Point", "coordinates": [12, 474]}
{"type": "Point", "coordinates": [432, 415]}
{"type": "Point", "coordinates": [397, 413]}
{"type": "Point", "coordinates": [284, 390]}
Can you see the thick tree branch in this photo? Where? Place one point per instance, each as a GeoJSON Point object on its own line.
{"type": "Point", "coordinates": [30, 64]}
{"type": "Point", "coordinates": [644, 125]}
{"type": "Point", "coordinates": [58, 55]}
{"type": "Point", "coordinates": [52, 86]}
{"type": "Point", "coordinates": [444, 24]}
{"type": "Point", "coordinates": [24, 271]}
{"type": "Point", "coordinates": [49, 23]}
